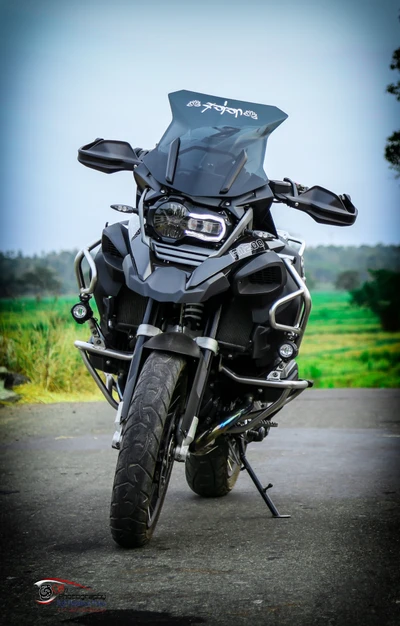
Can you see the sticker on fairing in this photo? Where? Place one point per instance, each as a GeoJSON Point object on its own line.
{"type": "Point", "coordinates": [247, 249]}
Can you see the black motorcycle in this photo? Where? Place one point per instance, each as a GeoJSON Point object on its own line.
{"type": "Point", "coordinates": [202, 303]}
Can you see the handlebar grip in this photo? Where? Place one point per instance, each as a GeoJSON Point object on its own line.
{"type": "Point", "coordinates": [297, 188]}
{"type": "Point", "coordinates": [287, 186]}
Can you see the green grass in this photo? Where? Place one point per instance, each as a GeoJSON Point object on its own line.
{"type": "Point", "coordinates": [343, 346]}
{"type": "Point", "coordinates": [36, 338]}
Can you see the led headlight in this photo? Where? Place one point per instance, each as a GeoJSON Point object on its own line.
{"type": "Point", "coordinates": [209, 227]}
{"type": "Point", "coordinates": [174, 220]}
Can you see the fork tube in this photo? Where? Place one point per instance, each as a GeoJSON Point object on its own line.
{"type": "Point", "coordinates": [201, 376]}
{"type": "Point", "coordinates": [135, 363]}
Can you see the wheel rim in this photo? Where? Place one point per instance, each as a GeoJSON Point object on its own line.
{"type": "Point", "coordinates": [232, 464]}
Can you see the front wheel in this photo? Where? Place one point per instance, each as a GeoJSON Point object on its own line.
{"type": "Point", "coordinates": [147, 451]}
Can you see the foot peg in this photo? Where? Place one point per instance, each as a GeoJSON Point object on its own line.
{"type": "Point", "coordinates": [262, 490]}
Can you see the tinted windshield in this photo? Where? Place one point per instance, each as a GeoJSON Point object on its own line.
{"type": "Point", "coordinates": [213, 146]}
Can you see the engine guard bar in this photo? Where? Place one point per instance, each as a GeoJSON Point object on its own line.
{"type": "Point", "coordinates": [114, 354]}
{"type": "Point", "coordinates": [106, 389]}
{"type": "Point", "coordinates": [301, 322]}
{"type": "Point", "coordinates": [260, 382]}
{"type": "Point", "coordinates": [85, 254]}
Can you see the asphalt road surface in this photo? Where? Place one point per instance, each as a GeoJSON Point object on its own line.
{"type": "Point", "coordinates": [334, 463]}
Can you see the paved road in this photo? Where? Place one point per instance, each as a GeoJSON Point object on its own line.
{"type": "Point", "coordinates": [334, 461]}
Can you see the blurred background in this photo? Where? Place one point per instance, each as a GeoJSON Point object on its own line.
{"type": "Point", "coordinates": [73, 71]}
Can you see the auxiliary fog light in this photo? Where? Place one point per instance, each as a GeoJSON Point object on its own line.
{"type": "Point", "coordinates": [288, 350]}
{"type": "Point", "coordinates": [81, 312]}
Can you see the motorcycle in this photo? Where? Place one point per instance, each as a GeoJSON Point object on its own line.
{"type": "Point", "coordinates": [202, 304]}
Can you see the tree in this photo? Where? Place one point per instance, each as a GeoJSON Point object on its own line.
{"type": "Point", "coordinates": [392, 152]}
{"type": "Point", "coordinates": [382, 296]}
{"type": "Point", "coordinates": [346, 281]}
{"type": "Point", "coordinates": [41, 280]}
{"type": "Point", "coordinates": [392, 149]}
{"type": "Point", "coordinates": [310, 280]}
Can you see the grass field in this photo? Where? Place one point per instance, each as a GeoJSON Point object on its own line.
{"type": "Point", "coordinates": [37, 339]}
{"type": "Point", "coordinates": [343, 347]}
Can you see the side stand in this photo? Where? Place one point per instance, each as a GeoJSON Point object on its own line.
{"type": "Point", "coordinates": [262, 490]}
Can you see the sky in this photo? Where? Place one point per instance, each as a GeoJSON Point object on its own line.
{"type": "Point", "coordinates": [73, 71]}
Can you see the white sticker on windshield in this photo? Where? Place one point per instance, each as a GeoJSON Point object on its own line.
{"type": "Point", "coordinates": [222, 109]}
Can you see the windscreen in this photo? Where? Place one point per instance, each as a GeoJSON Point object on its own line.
{"type": "Point", "coordinates": [213, 146]}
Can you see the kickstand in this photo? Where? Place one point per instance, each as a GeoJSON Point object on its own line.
{"type": "Point", "coordinates": [253, 476]}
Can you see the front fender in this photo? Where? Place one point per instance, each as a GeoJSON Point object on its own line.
{"type": "Point", "coordinates": [176, 343]}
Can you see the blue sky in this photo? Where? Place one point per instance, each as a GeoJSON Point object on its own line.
{"type": "Point", "coordinates": [73, 71]}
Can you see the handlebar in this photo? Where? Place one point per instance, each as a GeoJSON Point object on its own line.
{"type": "Point", "coordinates": [287, 186]}
{"type": "Point", "coordinates": [322, 205]}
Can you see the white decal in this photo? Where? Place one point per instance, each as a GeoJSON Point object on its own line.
{"type": "Point", "coordinates": [222, 109]}
{"type": "Point", "coordinates": [247, 249]}
{"type": "Point", "coordinates": [251, 114]}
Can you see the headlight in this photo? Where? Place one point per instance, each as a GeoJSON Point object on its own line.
{"type": "Point", "coordinates": [169, 220]}
{"type": "Point", "coordinates": [174, 220]}
{"type": "Point", "coordinates": [206, 227]}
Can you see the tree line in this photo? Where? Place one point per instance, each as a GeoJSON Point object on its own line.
{"type": "Point", "coordinates": [325, 264]}
{"type": "Point", "coordinates": [392, 148]}
{"type": "Point", "coordinates": [345, 267]}
{"type": "Point", "coordinates": [38, 275]}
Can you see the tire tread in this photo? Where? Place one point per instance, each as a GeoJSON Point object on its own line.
{"type": "Point", "coordinates": [207, 475]}
{"type": "Point", "coordinates": [141, 439]}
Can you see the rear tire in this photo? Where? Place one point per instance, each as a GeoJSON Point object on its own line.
{"type": "Point", "coordinates": [147, 451]}
{"type": "Point", "coordinates": [212, 475]}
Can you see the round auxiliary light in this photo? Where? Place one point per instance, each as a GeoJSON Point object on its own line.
{"type": "Point", "coordinates": [288, 350]}
{"type": "Point", "coordinates": [81, 312]}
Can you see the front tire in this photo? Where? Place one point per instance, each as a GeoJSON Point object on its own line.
{"type": "Point", "coordinates": [214, 474]}
{"type": "Point", "coordinates": [147, 451]}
